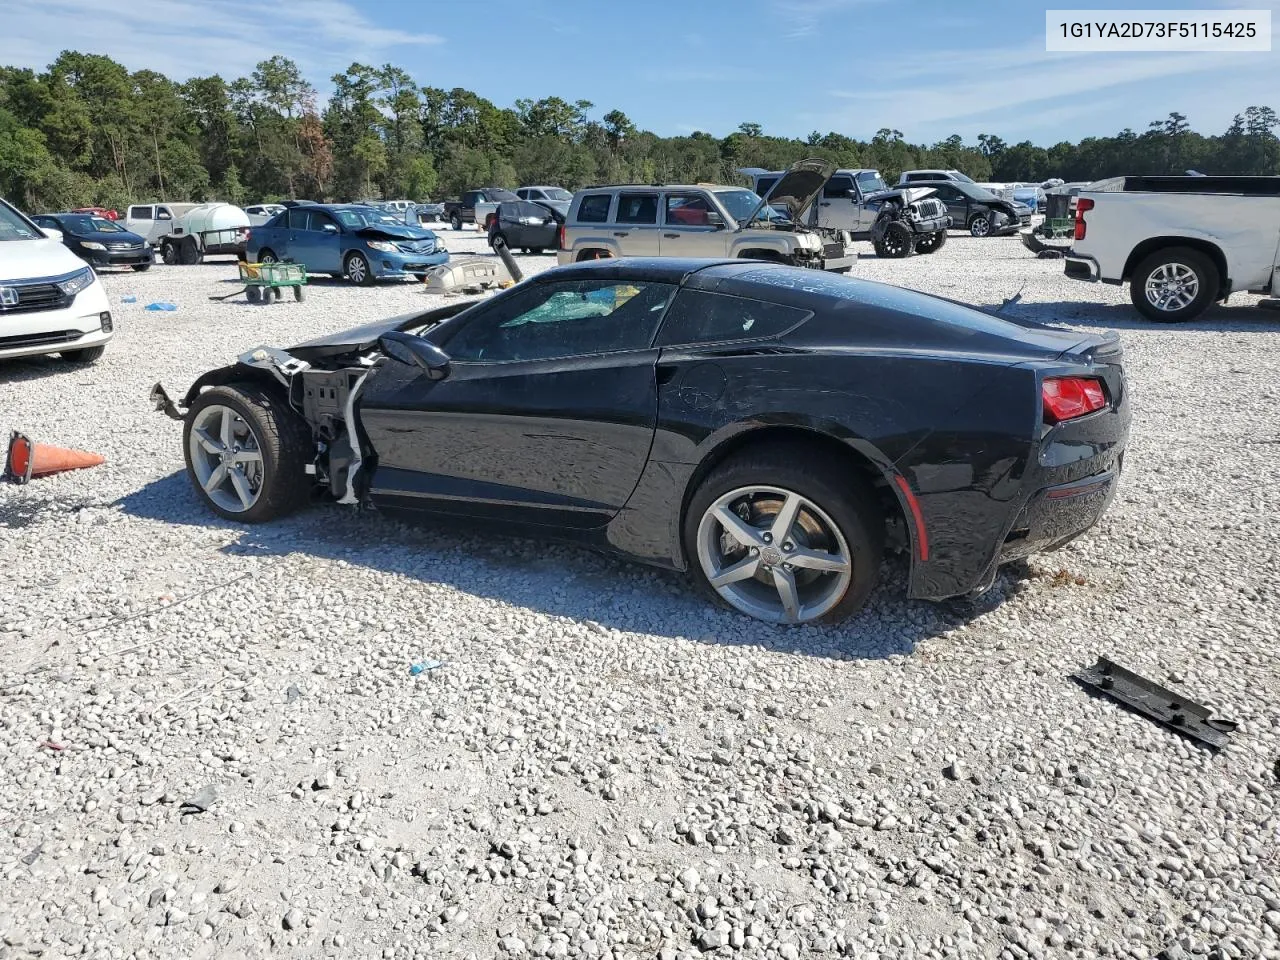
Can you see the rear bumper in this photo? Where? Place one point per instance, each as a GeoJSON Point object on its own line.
{"type": "Point", "coordinates": [1058, 514]}
{"type": "Point", "coordinates": [1080, 267]}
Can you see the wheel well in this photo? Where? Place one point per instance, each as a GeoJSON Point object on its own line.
{"type": "Point", "coordinates": [804, 440]}
{"type": "Point", "coordinates": [1152, 244]}
{"type": "Point", "coordinates": [593, 253]}
{"type": "Point", "coordinates": [773, 255]}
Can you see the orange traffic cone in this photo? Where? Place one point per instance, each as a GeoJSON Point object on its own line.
{"type": "Point", "coordinates": [26, 459]}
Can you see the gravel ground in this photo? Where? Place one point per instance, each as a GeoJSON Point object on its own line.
{"type": "Point", "coordinates": [211, 744]}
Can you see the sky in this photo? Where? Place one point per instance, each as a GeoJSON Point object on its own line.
{"type": "Point", "coordinates": [929, 68]}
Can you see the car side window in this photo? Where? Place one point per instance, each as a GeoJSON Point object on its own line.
{"type": "Point", "coordinates": [638, 208]}
{"type": "Point", "coordinates": [594, 209]}
{"type": "Point", "coordinates": [764, 185]}
{"type": "Point", "coordinates": [319, 220]}
{"type": "Point", "coordinates": [296, 219]}
{"type": "Point", "coordinates": [838, 188]}
{"type": "Point", "coordinates": [951, 194]}
{"type": "Point", "coordinates": [700, 317]}
{"type": "Point", "coordinates": [566, 319]}
{"type": "Point", "coordinates": [141, 213]}
{"type": "Point", "coordinates": [687, 210]}
{"type": "Point", "coordinates": [47, 222]}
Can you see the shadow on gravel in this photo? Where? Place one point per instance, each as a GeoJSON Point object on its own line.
{"type": "Point", "coordinates": [22, 369]}
{"type": "Point", "coordinates": [560, 580]}
{"type": "Point", "coordinates": [1217, 319]}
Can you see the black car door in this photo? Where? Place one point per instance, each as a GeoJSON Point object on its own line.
{"type": "Point", "coordinates": [547, 414]}
{"type": "Point", "coordinates": [957, 204]}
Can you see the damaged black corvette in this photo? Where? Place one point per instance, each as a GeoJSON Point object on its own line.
{"type": "Point", "coordinates": [771, 430]}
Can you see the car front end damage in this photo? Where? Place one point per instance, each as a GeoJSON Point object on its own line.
{"type": "Point", "coordinates": [321, 381]}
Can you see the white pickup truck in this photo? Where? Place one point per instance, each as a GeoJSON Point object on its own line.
{"type": "Point", "coordinates": [1182, 243]}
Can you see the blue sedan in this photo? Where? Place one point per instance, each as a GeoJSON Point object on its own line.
{"type": "Point", "coordinates": [347, 240]}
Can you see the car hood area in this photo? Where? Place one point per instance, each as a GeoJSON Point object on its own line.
{"type": "Point", "coordinates": [35, 259]}
{"type": "Point", "coordinates": [365, 337]}
{"type": "Point", "coordinates": [393, 231]}
{"type": "Point", "coordinates": [796, 189]}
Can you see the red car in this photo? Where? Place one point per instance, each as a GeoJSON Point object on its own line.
{"type": "Point", "coordinates": [98, 212]}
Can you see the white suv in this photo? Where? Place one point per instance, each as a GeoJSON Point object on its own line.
{"type": "Point", "coordinates": [50, 301]}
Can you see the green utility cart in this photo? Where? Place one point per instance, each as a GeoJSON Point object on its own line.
{"type": "Point", "coordinates": [265, 282]}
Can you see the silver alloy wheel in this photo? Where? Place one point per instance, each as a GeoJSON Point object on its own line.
{"type": "Point", "coordinates": [1171, 287]}
{"type": "Point", "coordinates": [980, 226]}
{"type": "Point", "coordinates": [267, 258]}
{"type": "Point", "coordinates": [774, 554]}
{"type": "Point", "coordinates": [357, 269]}
{"type": "Point", "coordinates": [226, 458]}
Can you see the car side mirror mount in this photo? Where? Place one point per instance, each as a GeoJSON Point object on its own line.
{"type": "Point", "coordinates": [408, 349]}
{"type": "Point", "coordinates": [715, 220]}
{"type": "Point", "coordinates": [51, 233]}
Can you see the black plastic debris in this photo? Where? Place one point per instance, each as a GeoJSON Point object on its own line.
{"type": "Point", "coordinates": [1161, 704]}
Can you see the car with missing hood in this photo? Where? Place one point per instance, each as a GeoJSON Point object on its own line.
{"type": "Point", "coordinates": [704, 220]}
{"type": "Point", "coordinates": [99, 241]}
{"type": "Point", "coordinates": [50, 300]}
{"type": "Point", "coordinates": [528, 225]}
{"type": "Point", "coordinates": [348, 240]}
{"type": "Point", "coordinates": [979, 211]}
{"type": "Point", "coordinates": [768, 429]}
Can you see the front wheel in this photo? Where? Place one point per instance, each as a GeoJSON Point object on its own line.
{"type": "Point", "coordinates": [980, 226]}
{"type": "Point", "coordinates": [1174, 285]}
{"type": "Point", "coordinates": [895, 242]}
{"type": "Point", "coordinates": [357, 270]}
{"type": "Point", "coordinates": [932, 243]}
{"type": "Point", "coordinates": [169, 253]}
{"type": "Point", "coordinates": [247, 452]}
{"type": "Point", "coordinates": [783, 536]}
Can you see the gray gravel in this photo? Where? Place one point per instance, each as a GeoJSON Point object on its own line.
{"type": "Point", "coordinates": [211, 744]}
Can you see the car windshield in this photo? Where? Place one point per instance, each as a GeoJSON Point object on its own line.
{"type": "Point", "coordinates": [87, 224]}
{"type": "Point", "coordinates": [871, 182]}
{"type": "Point", "coordinates": [365, 217]}
{"type": "Point", "coordinates": [14, 227]}
{"type": "Point", "coordinates": [741, 203]}
{"type": "Point", "coordinates": [556, 193]}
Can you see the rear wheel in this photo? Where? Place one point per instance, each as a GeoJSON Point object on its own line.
{"type": "Point", "coordinates": [455, 221]}
{"type": "Point", "coordinates": [267, 256]}
{"type": "Point", "coordinates": [299, 294]}
{"type": "Point", "coordinates": [785, 536]}
{"type": "Point", "coordinates": [247, 452]}
{"type": "Point", "coordinates": [189, 252]}
{"type": "Point", "coordinates": [1174, 285]}
{"type": "Point", "coordinates": [86, 356]}
{"type": "Point", "coordinates": [357, 270]}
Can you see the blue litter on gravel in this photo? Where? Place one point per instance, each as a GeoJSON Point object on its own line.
{"type": "Point", "coordinates": [129, 299]}
{"type": "Point", "coordinates": [167, 307]}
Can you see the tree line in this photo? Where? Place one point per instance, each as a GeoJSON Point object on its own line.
{"type": "Point", "coordinates": [88, 132]}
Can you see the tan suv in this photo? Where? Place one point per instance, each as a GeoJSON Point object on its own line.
{"type": "Point", "coordinates": [703, 220]}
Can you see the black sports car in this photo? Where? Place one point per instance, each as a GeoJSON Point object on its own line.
{"type": "Point", "coordinates": [771, 429]}
{"type": "Point", "coordinates": [99, 241]}
{"type": "Point", "coordinates": [526, 225]}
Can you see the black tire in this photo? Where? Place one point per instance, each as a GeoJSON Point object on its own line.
{"type": "Point", "coordinates": [495, 237]}
{"type": "Point", "coordinates": [980, 226]}
{"type": "Point", "coordinates": [169, 252]}
{"type": "Point", "coordinates": [1180, 260]}
{"type": "Point", "coordinates": [267, 256]}
{"type": "Point", "coordinates": [299, 294]}
{"type": "Point", "coordinates": [896, 242]}
{"type": "Point", "coordinates": [85, 356]}
{"type": "Point", "coordinates": [932, 243]}
{"type": "Point", "coordinates": [455, 221]}
{"type": "Point", "coordinates": [283, 438]}
{"type": "Point", "coordinates": [141, 267]}
{"type": "Point", "coordinates": [188, 252]}
{"type": "Point", "coordinates": [253, 294]}
{"type": "Point", "coordinates": [847, 501]}
{"type": "Point", "coordinates": [278, 292]}
{"type": "Point", "coordinates": [354, 262]}
{"type": "Point", "coordinates": [533, 251]}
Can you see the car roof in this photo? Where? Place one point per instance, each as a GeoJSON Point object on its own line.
{"type": "Point", "coordinates": [662, 186]}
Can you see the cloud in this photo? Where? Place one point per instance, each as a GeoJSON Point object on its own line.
{"type": "Point", "coordinates": [183, 39]}
{"type": "Point", "coordinates": [802, 18]}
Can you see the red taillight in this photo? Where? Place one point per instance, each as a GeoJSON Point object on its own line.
{"type": "Point", "coordinates": [1066, 398]}
{"type": "Point", "coordinates": [1082, 204]}
{"type": "Point", "coordinates": [247, 235]}
{"type": "Point", "coordinates": [561, 240]}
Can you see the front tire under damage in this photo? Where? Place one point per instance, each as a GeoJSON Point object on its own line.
{"type": "Point", "coordinates": [278, 434]}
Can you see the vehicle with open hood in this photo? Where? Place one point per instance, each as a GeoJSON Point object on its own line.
{"type": "Point", "coordinates": [768, 429]}
{"type": "Point", "coordinates": [360, 243]}
{"type": "Point", "coordinates": [704, 220]}
{"type": "Point", "coordinates": [898, 221]}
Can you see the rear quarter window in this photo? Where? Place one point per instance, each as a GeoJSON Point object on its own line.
{"type": "Point", "coordinates": [699, 317]}
{"type": "Point", "coordinates": [595, 208]}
